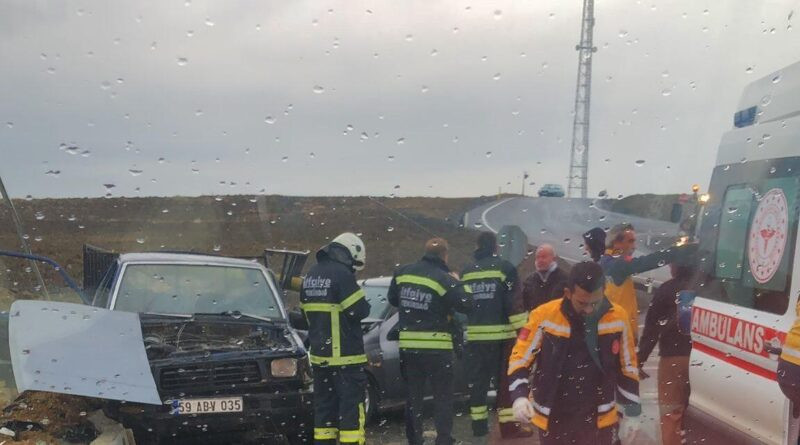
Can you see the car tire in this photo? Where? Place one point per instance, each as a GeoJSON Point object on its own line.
{"type": "Point", "coordinates": [371, 400]}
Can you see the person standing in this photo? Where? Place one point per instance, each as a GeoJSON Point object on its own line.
{"type": "Point", "coordinates": [619, 265]}
{"type": "Point", "coordinates": [585, 364]}
{"type": "Point", "coordinates": [427, 295]}
{"type": "Point", "coordinates": [594, 243]}
{"type": "Point", "coordinates": [546, 283]}
{"type": "Point", "coordinates": [674, 347]}
{"type": "Point", "coordinates": [497, 314]}
{"type": "Point", "coordinates": [334, 306]}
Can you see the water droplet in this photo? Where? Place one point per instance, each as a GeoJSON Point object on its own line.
{"type": "Point", "coordinates": [285, 159]}
{"type": "Point", "coordinates": [105, 85]}
{"type": "Point", "coordinates": [766, 100]}
{"type": "Point", "coordinates": [498, 14]}
{"type": "Point", "coordinates": [217, 248]}
{"type": "Point", "coordinates": [424, 88]}
{"type": "Point", "coordinates": [109, 186]}
{"type": "Point", "coordinates": [640, 162]}
{"type": "Point", "coordinates": [409, 37]}
{"type": "Point", "coordinates": [140, 240]}
{"type": "Point", "coordinates": [318, 89]}
{"type": "Point", "coordinates": [39, 216]}
{"type": "Point", "coordinates": [434, 53]}
{"type": "Point", "coordinates": [209, 23]}
{"type": "Point", "coordinates": [488, 154]}
{"type": "Point", "coordinates": [364, 136]}
{"type": "Point", "coordinates": [182, 61]}
{"type": "Point", "coordinates": [390, 158]}
{"type": "Point", "coordinates": [135, 172]}
{"type": "Point", "coordinates": [622, 33]}
{"type": "Point", "coordinates": [269, 119]}
{"type": "Point", "coordinates": [390, 229]}
{"type": "Point", "coordinates": [749, 70]}
{"type": "Point", "coordinates": [666, 92]}
{"type": "Point", "coordinates": [496, 76]}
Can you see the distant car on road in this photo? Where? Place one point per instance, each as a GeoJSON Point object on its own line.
{"type": "Point", "coordinates": [551, 190]}
{"type": "Point", "coordinates": [385, 387]}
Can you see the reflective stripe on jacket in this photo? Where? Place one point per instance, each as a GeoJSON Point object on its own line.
{"type": "Point", "coordinates": [544, 341]}
{"type": "Point", "coordinates": [334, 305]}
{"type": "Point", "coordinates": [427, 297]}
{"type": "Point", "coordinates": [497, 300]}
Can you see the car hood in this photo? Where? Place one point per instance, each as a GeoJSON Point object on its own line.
{"type": "Point", "coordinates": [80, 350]}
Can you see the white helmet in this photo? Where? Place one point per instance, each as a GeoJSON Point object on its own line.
{"type": "Point", "coordinates": [355, 246]}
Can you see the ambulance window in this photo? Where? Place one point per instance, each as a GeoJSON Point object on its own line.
{"type": "Point", "coordinates": [755, 245]}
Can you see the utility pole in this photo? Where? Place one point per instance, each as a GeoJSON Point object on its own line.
{"type": "Point", "coordinates": [20, 234]}
{"type": "Point", "coordinates": [579, 156]}
{"type": "Point", "coordinates": [524, 178]}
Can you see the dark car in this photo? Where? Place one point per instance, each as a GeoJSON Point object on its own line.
{"type": "Point", "coordinates": [551, 190]}
{"type": "Point", "coordinates": [386, 388]}
{"type": "Point", "coordinates": [222, 354]}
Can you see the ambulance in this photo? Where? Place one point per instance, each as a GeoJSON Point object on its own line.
{"type": "Point", "coordinates": [746, 297]}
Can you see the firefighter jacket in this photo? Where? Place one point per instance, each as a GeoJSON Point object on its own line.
{"type": "Point", "coordinates": [427, 297]}
{"type": "Point", "coordinates": [497, 300]}
{"type": "Point", "coordinates": [619, 269]}
{"type": "Point", "coordinates": [545, 341]}
{"type": "Point", "coordinates": [334, 305]}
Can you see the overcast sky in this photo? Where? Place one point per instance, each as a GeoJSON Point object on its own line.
{"type": "Point", "coordinates": [444, 98]}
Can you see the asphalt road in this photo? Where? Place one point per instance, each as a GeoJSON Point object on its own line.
{"type": "Point", "coordinates": [562, 221]}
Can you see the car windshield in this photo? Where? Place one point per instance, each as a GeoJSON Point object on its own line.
{"type": "Point", "coordinates": [190, 289]}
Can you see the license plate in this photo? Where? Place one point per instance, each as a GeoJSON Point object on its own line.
{"type": "Point", "coordinates": [208, 406]}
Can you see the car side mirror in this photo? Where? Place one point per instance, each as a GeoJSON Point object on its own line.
{"type": "Point", "coordinates": [297, 320]}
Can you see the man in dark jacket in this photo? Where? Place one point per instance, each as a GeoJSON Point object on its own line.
{"type": "Point", "coordinates": [496, 315]}
{"type": "Point", "coordinates": [427, 295]}
{"type": "Point", "coordinates": [585, 364]}
{"type": "Point", "coordinates": [334, 305]}
{"type": "Point", "coordinates": [548, 281]}
{"type": "Point", "coordinates": [674, 347]}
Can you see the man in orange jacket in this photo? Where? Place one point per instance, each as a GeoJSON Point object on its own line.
{"type": "Point", "coordinates": [585, 359]}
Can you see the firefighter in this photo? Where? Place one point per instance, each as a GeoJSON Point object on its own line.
{"type": "Point", "coordinates": [334, 305]}
{"type": "Point", "coordinates": [427, 295]}
{"type": "Point", "coordinates": [585, 358]}
{"type": "Point", "coordinates": [496, 315]}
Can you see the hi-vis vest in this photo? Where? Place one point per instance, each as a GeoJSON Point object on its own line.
{"type": "Point", "coordinates": [547, 325]}
{"type": "Point", "coordinates": [497, 302]}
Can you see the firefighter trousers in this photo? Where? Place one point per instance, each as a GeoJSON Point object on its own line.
{"type": "Point", "coordinates": [487, 361]}
{"type": "Point", "coordinates": [339, 404]}
{"type": "Point", "coordinates": [417, 369]}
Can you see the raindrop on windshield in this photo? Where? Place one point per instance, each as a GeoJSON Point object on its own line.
{"type": "Point", "coordinates": [135, 172]}
{"type": "Point", "coordinates": [666, 92]}
{"type": "Point", "coordinates": [39, 216]}
{"type": "Point", "coordinates": [409, 37]}
{"type": "Point", "coordinates": [140, 240]}
{"type": "Point", "coordinates": [209, 23]}
{"type": "Point", "coordinates": [182, 61]}
{"type": "Point", "coordinates": [496, 76]}
{"type": "Point", "coordinates": [319, 89]}
{"type": "Point", "coordinates": [269, 119]}
{"type": "Point", "coordinates": [498, 14]}
{"type": "Point", "coordinates": [390, 229]}
{"type": "Point", "coordinates": [217, 248]}
{"type": "Point", "coordinates": [623, 33]}
{"type": "Point", "coordinates": [285, 159]}
{"type": "Point", "coordinates": [488, 154]}
{"type": "Point", "coordinates": [640, 162]}
{"type": "Point", "coordinates": [749, 70]}
{"type": "Point", "coordinates": [776, 79]}
{"type": "Point", "coordinates": [401, 141]}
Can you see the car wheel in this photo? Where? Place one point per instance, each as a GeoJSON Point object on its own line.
{"type": "Point", "coordinates": [371, 399]}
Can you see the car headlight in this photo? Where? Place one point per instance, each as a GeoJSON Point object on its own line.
{"type": "Point", "coordinates": [284, 367]}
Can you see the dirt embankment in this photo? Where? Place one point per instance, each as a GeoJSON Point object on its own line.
{"type": "Point", "coordinates": [394, 229]}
